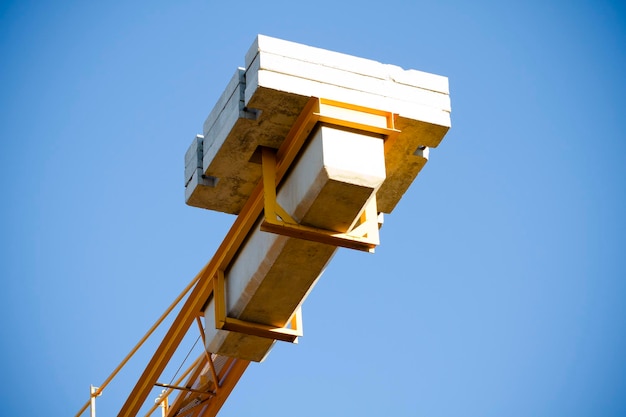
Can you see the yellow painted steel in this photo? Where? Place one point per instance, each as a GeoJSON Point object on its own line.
{"type": "Point", "coordinates": [140, 343]}
{"type": "Point", "coordinates": [204, 286]}
{"type": "Point", "coordinates": [165, 395]}
{"type": "Point", "coordinates": [363, 237]}
{"type": "Point", "coordinates": [209, 281]}
{"type": "Point", "coordinates": [278, 221]}
{"type": "Point", "coordinates": [223, 322]}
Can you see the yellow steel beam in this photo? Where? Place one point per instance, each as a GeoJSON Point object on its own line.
{"type": "Point", "coordinates": [223, 322]}
{"type": "Point", "coordinates": [316, 110]}
{"type": "Point", "coordinates": [193, 305]}
{"type": "Point", "coordinates": [212, 368]}
{"type": "Point", "coordinates": [278, 221]}
{"type": "Point", "coordinates": [184, 396]}
{"type": "Point", "coordinates": [168, 391]}
{"type": "Point", "coordinates": [184, 389]}
{"type": "Point", "coordinates": [237, 369]}
{"type": "Point", "coordinates": [145, 337]}
{"type": "Point", "coordinates": [208, 355]}
{"type": "Point", "coordinates": [204, 286]}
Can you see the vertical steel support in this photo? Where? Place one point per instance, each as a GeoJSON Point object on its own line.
{"type": "Point", "coordinates": [92, 402]}
{"type": "Point", "coordinates": [164, 404]}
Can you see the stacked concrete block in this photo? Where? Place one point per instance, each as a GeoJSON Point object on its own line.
{"type": "Point", "coordinates": [262, 101]}
{"type": "Point", "coordinates": [272, 274]}
{"type": "Point", "coordinates": [339, 174]}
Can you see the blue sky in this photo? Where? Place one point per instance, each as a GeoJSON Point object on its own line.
{"type": "Point", "coordinates": [499, 285]}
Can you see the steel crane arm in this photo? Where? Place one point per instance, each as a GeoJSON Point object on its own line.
{"type": "Point", "coordinates": [205, 280]}
{"type": "Point", "coordinates": [201, 399]}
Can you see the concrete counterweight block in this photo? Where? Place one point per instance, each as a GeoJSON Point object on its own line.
{"type": "Point", "coordinates": [332, 182]}
{"type": "Point", "coordinates": [264, 98]}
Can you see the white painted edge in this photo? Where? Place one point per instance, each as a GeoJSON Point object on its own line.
{"type": "Point", "coordinates": [346, 79]}
{"type": "Point", "coordinates": [346, 62]}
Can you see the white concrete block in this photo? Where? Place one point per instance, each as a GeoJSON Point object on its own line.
{"type": "Point", "coordinates": [280, 77]}
{"type": "Point", "coordinates": [346, 62]}
{"type": "Point", "coordinates": [335, 178]}
{"type": "Point", "coordinates": [313, 71]}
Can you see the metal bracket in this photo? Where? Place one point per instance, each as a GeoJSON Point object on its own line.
{"type": "Point", "coordinates": [362, 237]}
{"type": "Point", "coordinates": [223, 322]}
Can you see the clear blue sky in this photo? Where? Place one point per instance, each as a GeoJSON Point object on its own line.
{"type": "Point", "coordinates": [499, 288]}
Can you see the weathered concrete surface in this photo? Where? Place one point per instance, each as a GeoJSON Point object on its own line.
{"type": "Point", "coordinates": [336, 176]}
{"type": "Point", "coordinates": [262, 101]}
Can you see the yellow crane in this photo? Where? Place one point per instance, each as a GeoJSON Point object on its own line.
{"type": "Point", "coordinates": [304, 175]}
